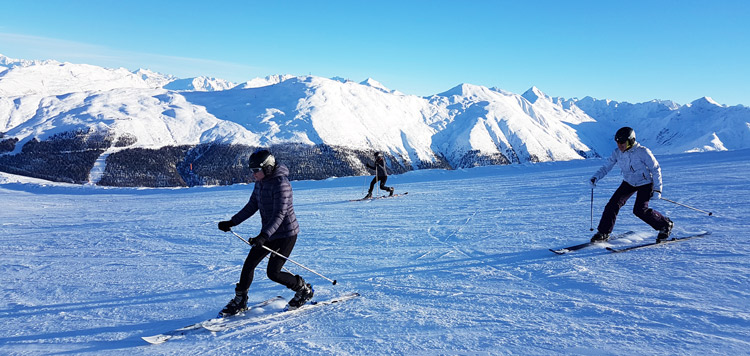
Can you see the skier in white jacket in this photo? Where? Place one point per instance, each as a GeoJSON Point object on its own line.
{"type": "Point", "coordinates": [642, 175]}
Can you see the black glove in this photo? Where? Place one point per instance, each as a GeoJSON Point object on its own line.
{"type": "Point", "coordinates": [226, 225]}
{"type": "Point", "coordinates": [592, 182]}
{"type": "Point", "coordinates": [259, 240]}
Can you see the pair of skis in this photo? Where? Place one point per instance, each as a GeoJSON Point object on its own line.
{"type": "Point", "coordinates": [381, 197]}
{"type": "Point", "coordinates": [253, 315]}
{"type": "Point", "coordinates": [565, 250]}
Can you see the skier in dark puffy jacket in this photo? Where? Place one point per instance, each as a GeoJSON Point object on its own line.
{"type": "Point", "coordinates": [272, 196]}
{"type": "Point", "coordinates": [642, 175]}
{"type": "Point", "coordinates": [381, 174]}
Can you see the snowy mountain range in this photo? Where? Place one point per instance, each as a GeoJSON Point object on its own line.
{"type": "Point", "coordinates": [466, 126]}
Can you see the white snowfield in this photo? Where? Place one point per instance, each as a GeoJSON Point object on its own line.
{"type": "Point", "coordinates": [459, 266]}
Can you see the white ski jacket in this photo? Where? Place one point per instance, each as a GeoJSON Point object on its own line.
{"type": "Point", "coordinates": [638, 166]}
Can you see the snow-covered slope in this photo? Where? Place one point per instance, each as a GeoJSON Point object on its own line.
{"type": "Point", "coordinates": [459, 266]}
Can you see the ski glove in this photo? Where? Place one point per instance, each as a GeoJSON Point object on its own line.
{"type": "Point", "coordinates": [226, 225]}
{"type": "Point", "coordinates": [656, 194]}
{"type": "Point", "coordinates": [259, 240]}
{"type": "Point", "coordinates": [592, 182]}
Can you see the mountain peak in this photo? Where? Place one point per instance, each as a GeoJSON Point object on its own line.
{"type": "Point", "coordinates": [706, 102]}
{"type": "Point", "coordinates": [154, 79]}
{"type": "Point", "coordinates": [375, 84]}
{"type": "Point", "coordinates": [464, 89]}
{"type": "Point", "coordinates": [340, 79]}
{"type": "Point", "coordinates": [534, 94]}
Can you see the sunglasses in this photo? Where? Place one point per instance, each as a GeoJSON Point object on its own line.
{"type": "Point", "coordinates": [256, 170]}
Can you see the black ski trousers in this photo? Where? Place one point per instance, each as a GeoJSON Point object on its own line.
{"type": "Point", "coordinates": [640, 208]}
{"type": "Point", "coordinates": [284, 247]}
{"type": "Point", "coordinates": [382, 184]}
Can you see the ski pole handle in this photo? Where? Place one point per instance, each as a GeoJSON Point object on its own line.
{"type": "Point", "coordinates": [689, 207]}
{"type": "Point", "coordinates": [286, 258]}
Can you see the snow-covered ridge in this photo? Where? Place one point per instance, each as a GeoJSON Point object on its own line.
{"type": "Point", "coordinates": [50, 78]}
{"type": "Point", "coordinates": [262, 82]}
{"type": "Point", "coordinates": [463, 124]}
{"type": "Point", "coordinates": [199, 84]}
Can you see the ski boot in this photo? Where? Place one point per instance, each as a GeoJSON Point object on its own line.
{"type": "Point", "coordinates": [665, 232]}
{"type": "Point", "coordinates": [391, 190]}
{"type": "Point", "coordinates": [237, 305]}
{"type": "Point", "coordinates": [599, 237]}
{"type": "Point", "coordinates": [303, 295]}
{"type": "Point", "coordinates": [368, 196]}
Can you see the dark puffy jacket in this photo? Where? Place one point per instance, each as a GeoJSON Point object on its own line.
{"type": "Point", "coordinates": [273, 197]}
{"type": "Point", "coordinates": [380, 170]}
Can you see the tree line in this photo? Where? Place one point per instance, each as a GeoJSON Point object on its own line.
{"type": "Point", "coordinates": [70, 156]}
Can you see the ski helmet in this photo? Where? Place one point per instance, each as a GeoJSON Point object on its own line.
{"type": "Point", "coordinates": [378, 154]}
{"type": "Point", "coordinates": [262, 160]}
{"type": "Point", "coordinates": [625, 134]}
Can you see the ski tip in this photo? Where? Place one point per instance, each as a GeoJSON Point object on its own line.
{"type": "Point", "coordinates": [155, 340]}
{"type": "Point", "coordinates": [559, 252]}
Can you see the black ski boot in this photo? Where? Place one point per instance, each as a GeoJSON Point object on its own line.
{"type": "Point", "coordinates": [599, 237]}
{"type": "Point", "coordinates": [368, 196]}
{"type": "Point", "coordinates": [238, 304]}
{"type": "Point", "coordinates": [392, 190]}
{"type": "Point", "coordinates": [304, 294]}
{"type": "Point", "coordinates": [665, 232]}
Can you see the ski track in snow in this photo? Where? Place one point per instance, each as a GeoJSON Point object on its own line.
{"type": "Point", "coordinates": [458, 266]}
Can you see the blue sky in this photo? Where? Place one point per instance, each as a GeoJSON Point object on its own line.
{"type": "Point", "coordinates": [621, 50]}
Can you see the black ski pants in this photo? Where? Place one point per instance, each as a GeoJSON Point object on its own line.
{"type": "Point", "coordinates": [640, 208]}
{"type": "Point", "coordinates": [284, 247]}
{"type": "Point", "coordinates": [382, 184]}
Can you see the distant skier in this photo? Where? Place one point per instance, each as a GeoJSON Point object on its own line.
{"type": "Point", "coordinates": [380, 175]}
{"type": "Point", "coordinates": [272, 196]}
{"type": "Point", "coordinates": [642, 175]}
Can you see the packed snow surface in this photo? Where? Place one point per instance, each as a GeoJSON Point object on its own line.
{"type": "Point", "coordinates": [458, 266]}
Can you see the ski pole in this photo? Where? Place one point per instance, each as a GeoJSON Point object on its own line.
{"type": "Point", "coordinates": [592, 210]}
{"type": "Point", "coordinates": [284, 268]}
{"type": "Point", "coordinates": [689, 207]}
{"type": "Point", "coordinates": [286, 258]}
